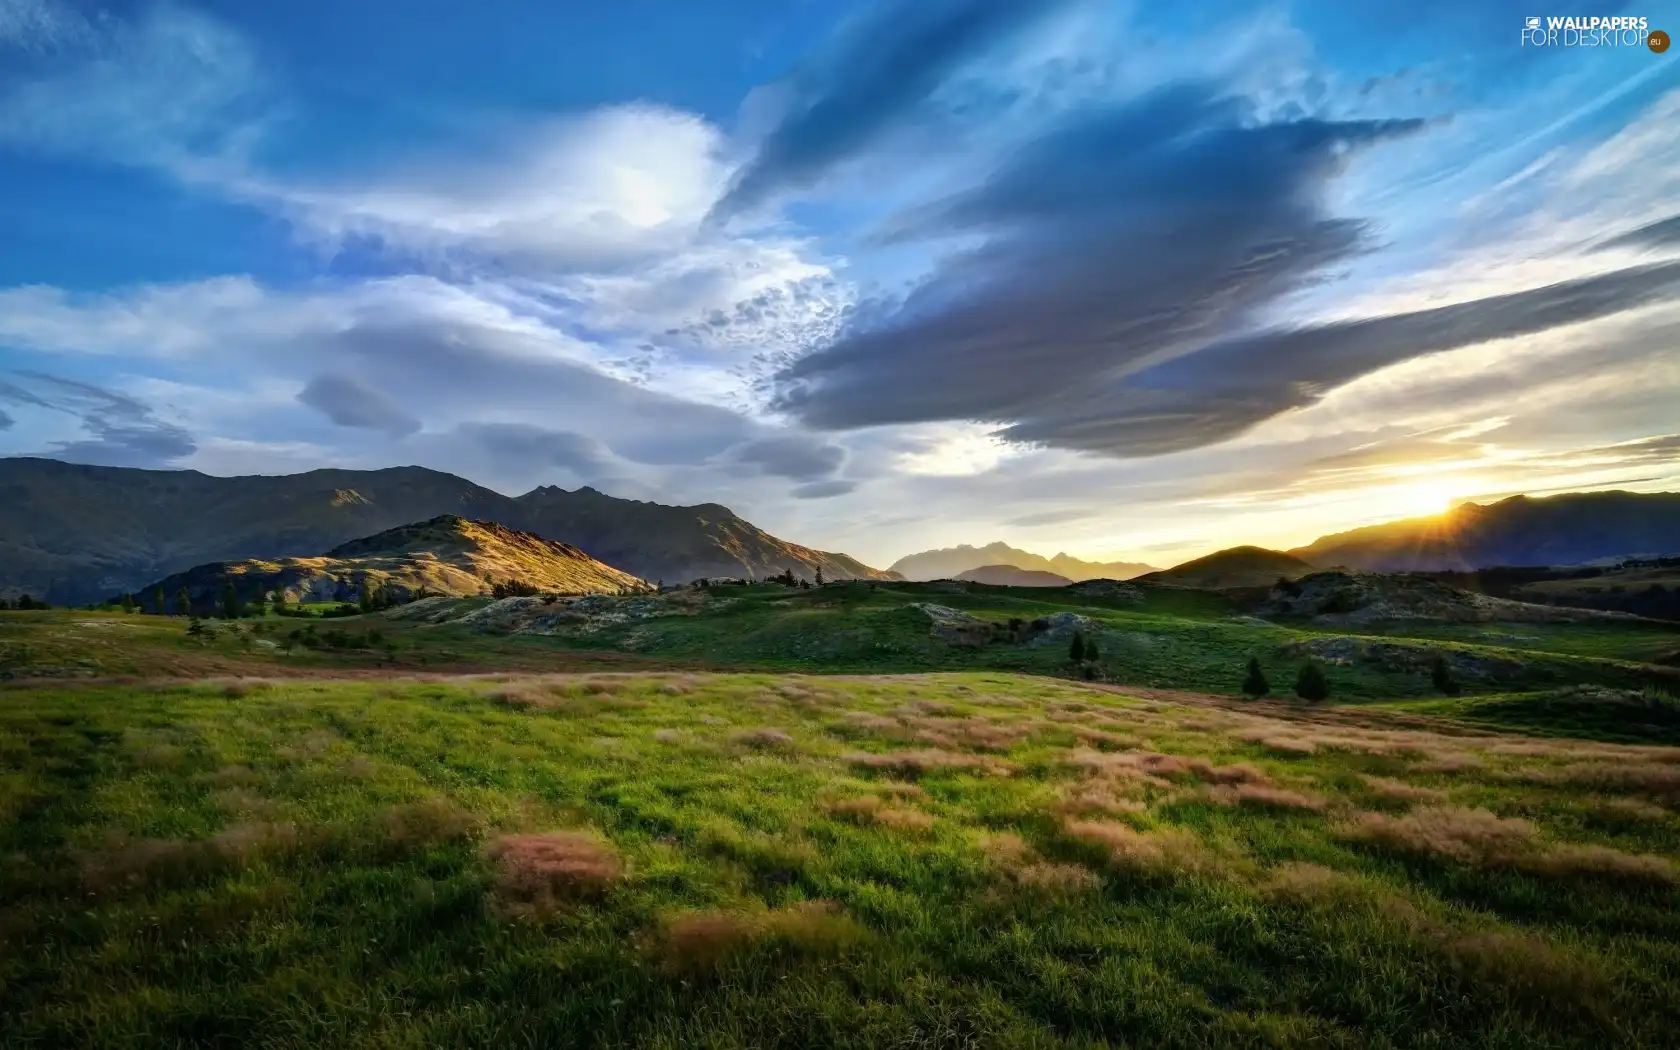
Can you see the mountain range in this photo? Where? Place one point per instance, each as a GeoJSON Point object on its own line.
{"type": "Point", "coordinates": [951, 562]}
{"type": "Point", "coordinates": [1570, 529]}
{"type": "Point", "coordinates": [447, 555]}
{"type": "Point", "coordinates": [75, 534]}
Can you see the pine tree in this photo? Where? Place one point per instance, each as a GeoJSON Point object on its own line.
{"type": "Point", "coordinates": [279, 601]}
{"type": "Point", "coordinates": [1091, 650]}
{"type": "Point", "coordinates": [1441, 676]}
{"type": "Point", "coordinates": [183, 602]}
{"type": "Point", "coordinates": [126, 603]}
{"type": "Point", "coordinates": [231, 609]}
{"type": "Point", "coordinates": [1310, 683]}
{"type": "Point", "coordinates": [819, 576]}
{"type": "Point", "coordinates": [1076, 648]}
{"type": "Point", "coordinates": [1255, 683]}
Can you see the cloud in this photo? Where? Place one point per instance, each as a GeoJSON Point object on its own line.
{"type": "Point", "coordinates": [1127, 237]}
{"type": "Point", "coordinates": [40, 25]}
{"type": "Point", "coordinates": [1664, 233]}
{"type": "Point", "coordinates": [350, 402]}
{"type": "Point", "coordinates": [793, 456]}
{"type": "Point", "coordinates": [1218, 392]}
{"type": "Point", "coordinates": [172, 89]}
{"type": "Point", "coordinates": [878, 70]}
{"type": "Point", "coordinates": [530, 447]}
{"type": "Point", "coordinates": [6, 421]}
{"type": "Point", "coordinates": [123, 432]}
{"type": "Point", "coordinates": [824, 489]}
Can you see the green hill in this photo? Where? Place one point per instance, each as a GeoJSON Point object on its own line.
{"type": "Point", "coordinates": [447, 556]}
{"type": "Point", "coordinates": [1236, 567]}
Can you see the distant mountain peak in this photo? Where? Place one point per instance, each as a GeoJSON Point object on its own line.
{"type": "Point", "coordinates": [952, 562]}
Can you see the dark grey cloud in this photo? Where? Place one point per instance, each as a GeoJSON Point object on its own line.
{"type": "Point", "coordinates": [519, 447]}
{"type": "Point", "coordinates": [795, 456]}
{"type": "Point", "coordinates": [877, 72]}
{"type": "Point", "coordinates": [6, 422]}
{"type": "Point", "coordinates": [123, 432]}
{"type": "Point", "coordinates": [1664, 233]}
{"type": "Point", "coordinates": [1219, 391]}
{"type": "Point", "coordinates": [444, 367]}
{"type": "Point", "coordinates": [1120, 296]}
{"type": "Point", "coordinates": [824, 489]}
{"type": "Point", "coordinates": [350, 402]}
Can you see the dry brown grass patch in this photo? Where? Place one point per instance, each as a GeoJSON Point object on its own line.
{"type": "Point", "coordinates": [707, 941]}
{"type": "Point", "coordinates": [1400, 791]}
{"type": "Point", "coordinates": [1265, 796]}
{"type": "Point", "coordinates": [765, 738]}
{"type": "Point", "coordinates": [429, 822]}
{"type": "Point", "coordinates": [1305, 883]}
{"type": "Point", "coordinates": [930, 760]}
{"type": "Point", "coordinates": [1468, 836]}
{"type": "Point", "coordinates": [1653, 779]}
{"type": "Point", "coordinates": [975, 732]}
{"type": "Point", "coordinates": [1570, 860]}
{"type": "Point", "coordinates": [1282, 743]}
{"type": "Point", "coordinates": [537, 873]}
{"type": "Point", "coordinates": [1162, 851]}
{"type": "Point", "coordinates": [247, 843]}
{"type": "Point", "coordinates": [1451, 763]}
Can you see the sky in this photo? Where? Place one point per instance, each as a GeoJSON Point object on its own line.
{"type": "Point", "coordinates": [1118, 279]}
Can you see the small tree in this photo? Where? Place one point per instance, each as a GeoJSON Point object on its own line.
{"type": "Point", "coordinates": [1441, 676]}
{"type": "Point", "coordinates": [1255, 684]}
{"type": "Point", "coordinates": [157, 600]}
{"type": "Point", "coordinates": [183, 602]}
{"type": "Point", "coordinates": [126, 603]}
{"type": "Point", "coordinates": [1091, 653]}
{"type": "Point", "coordinates": [231, 608]}
{"type": "Point", "coordinates": [280, 601]}
{"type": "Point", "coordinates": [1310, 683]}
{"type": "Point", "coordinates": [819, 576]}
{"type": "Point", "coordinates": [195, 628]}
{"type": "Point", "coordinates": [1076, 648]}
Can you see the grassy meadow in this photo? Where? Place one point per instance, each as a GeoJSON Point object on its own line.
{"type": "Point", "coordinates": [667, 831]}
{"type": "Point", "coordinates": [755, 860]}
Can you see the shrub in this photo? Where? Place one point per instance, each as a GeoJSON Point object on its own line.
{"type": "Point", "coordinates": [1441, 676]}
{"type": "Point", "coordinates": [1255, 684]}
{"type": "Point", "coordinates": [1310, 683]}
{"type": "Point", "coordinates": [1076, 648]}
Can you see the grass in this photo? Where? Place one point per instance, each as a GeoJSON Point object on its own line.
{"type": "Point", "coordinates": [688, 859]}
{"type": "Point", "coordinates": [1171, 638]}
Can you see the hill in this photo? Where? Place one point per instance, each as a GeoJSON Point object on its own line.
{"type": "Point", "coordinates": [1235, 567]}
{"type": "Point", "coordinates": [676, 544]}
{"type": "Point", "coordinates": [950, 563]}
{"type": "Point", "coordinates": [1570, 529]}
{"type": "Point", "coordinates": [1010, 576]}
{"type": "Point", "coordinates": [448, 556]}
{"type": "Point", "coordinates": [74, 533]}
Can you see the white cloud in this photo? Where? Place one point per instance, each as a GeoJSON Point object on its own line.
{"type": "Point", "coordinates": [173, 89]}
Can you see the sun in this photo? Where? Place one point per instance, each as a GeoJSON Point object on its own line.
{"type": "Point", "coordinates": [1422, 497]}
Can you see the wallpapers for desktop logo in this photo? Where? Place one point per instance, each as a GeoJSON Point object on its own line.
{"type": "Point", "coordinates": [1594, 31]}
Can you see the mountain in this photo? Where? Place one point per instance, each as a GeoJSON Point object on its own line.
{"type": "Point", "coordinates": [951, 562]}
{"type": "Point", "coordinates": [447, 555]}
{"type": "Point", "coordinates": [74, 533]}
{"type": "Point", "coordinates": [676, 544]}
{"type": "Point", "coordinates": [1010, 576]}
{"type": "Point", "coordinates": [1569, 529]}
{"type": "Point", "coordinates": [1236, 567]}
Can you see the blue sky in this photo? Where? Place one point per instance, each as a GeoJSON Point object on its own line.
{"type": "Point", "coordinates": [1118, 279]}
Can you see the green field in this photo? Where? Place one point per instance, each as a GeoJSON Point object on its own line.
{"type": "Point", "coordinates": [657, 834]}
